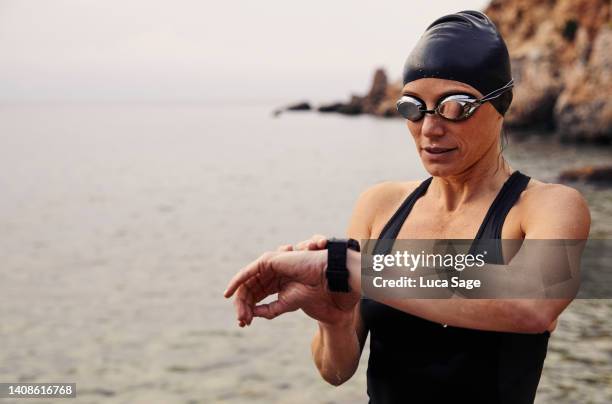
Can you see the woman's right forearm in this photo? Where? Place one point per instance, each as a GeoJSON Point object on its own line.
{"type": "Point", "coordinates": [336, 351]}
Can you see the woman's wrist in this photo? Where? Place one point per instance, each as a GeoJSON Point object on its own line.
{"type": "Point", "coordinates": [345, 301]}
{"type": "Point", "coordinates": [342, 326]}
{"type": "Point", "coordinates": [353, 265]}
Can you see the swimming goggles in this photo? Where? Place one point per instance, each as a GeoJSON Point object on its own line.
{"type": "Point", "coordinates": [456, 107]}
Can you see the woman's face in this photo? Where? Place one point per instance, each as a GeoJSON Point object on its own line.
{"type": "Point", "coordinates": [449, 148]}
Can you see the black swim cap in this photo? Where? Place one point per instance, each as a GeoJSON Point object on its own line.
{"type": "Point", "coordinates": [466, 47]}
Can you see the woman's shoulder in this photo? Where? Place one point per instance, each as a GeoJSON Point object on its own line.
{"type": "Point", "coordinates": [388, 193]}
{"type": "Point", "coordinates": [378, 200]}
{"type": "Point", "coordinates": [538, 192]}
{"type": "Point", "coordinates": [555, 207]}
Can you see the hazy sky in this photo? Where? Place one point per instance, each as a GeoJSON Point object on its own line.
{"type": "Point", "coordinates": [202, 50]}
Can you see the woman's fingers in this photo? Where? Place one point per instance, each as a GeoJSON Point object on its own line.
{"type": "Point", "coordinates": [247, 272]}
{"type": "Point", "coordinates": [318, 237]}
{"type": "Point", "coordinates": [321, 241]}
{"type": "Point", "coordinates": [316, 242]}
{"type": "Point", "coordinates": [271, 310]}
{"type": "Point", "coordinates": [244, 302]}
{"type": "Point", "coordinates": [241, 308]}
{"type": "Point", "coordinates": [252, 291]}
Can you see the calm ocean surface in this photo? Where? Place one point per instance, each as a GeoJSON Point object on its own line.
{"type": "Point", "coordinates": [121, 225]}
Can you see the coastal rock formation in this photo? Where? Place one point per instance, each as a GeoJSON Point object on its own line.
{"type": "Point", "coordinates": [371, 103]}
{"type": "Point", "coordinates": [380, 100]}
{"type": "Point", "coordinates": [602, 174]}
{"type": "Point", "coordinates": [584, 111]}
{"type": "Point", "coordinates": [300, 106]}
{"type": "Point", "coordinates": [561, 63]}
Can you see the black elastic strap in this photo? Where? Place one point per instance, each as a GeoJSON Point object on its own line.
{"type": "Point", "coordinates": [337, 273]}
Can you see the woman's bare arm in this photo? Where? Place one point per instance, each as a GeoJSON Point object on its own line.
{"type": "Point", "coordinates": [336, 349]}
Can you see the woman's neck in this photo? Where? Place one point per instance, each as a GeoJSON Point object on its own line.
{"type": "Point", "coordinates": [483, 178]}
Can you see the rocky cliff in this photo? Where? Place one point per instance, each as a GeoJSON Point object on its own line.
{"type": "Point", "coordinates": [561, 63]}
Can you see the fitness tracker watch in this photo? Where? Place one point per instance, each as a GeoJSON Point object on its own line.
{"type": "Point", "coordinates": [337, 273]}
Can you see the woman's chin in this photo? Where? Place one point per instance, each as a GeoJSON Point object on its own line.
{"type": "Point", "coordinates": [439, 169]}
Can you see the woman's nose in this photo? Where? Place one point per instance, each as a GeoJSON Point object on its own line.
{"type": "Point", "coordinates": [432, 126]}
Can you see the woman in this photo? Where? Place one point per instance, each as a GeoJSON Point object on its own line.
{"type": "Point", "coordinates": [457, 87]}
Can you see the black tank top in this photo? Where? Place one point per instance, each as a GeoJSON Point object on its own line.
{"type": "Point", "coordinates": [413, 360]}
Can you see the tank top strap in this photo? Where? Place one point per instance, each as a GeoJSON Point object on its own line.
{"type": "Point", "coordinates": [393, 226]}
{"type": "Point", "coordinates": [491, 226]}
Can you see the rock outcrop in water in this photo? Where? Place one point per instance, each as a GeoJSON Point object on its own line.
{"type": "Point", "coordinates": [600, 174]}
{"type": "Point", "coordinates": [380, 100]}
{"type": "Point", "coordinates": [300, 106]}
{"type": "Point", "coordinates": [561, 63]}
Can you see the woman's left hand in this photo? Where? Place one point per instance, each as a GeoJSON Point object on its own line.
{"type": "Point", "coordinates": [299, 279]}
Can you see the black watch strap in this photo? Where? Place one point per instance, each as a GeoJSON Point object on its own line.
{"type": "Point", "coordinates": [337, 273]}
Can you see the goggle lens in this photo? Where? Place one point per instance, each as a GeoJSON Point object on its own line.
{"type": "Point", "coordinates": [453, 109]}
{"type": "Point", "coordinates": [410, 108]}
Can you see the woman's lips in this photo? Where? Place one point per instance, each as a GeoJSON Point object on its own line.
{"type": "Point", "coordinates": [439, 150]}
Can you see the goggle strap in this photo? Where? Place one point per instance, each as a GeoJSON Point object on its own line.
{"type": "Point", "coordinates": [496, 93]}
